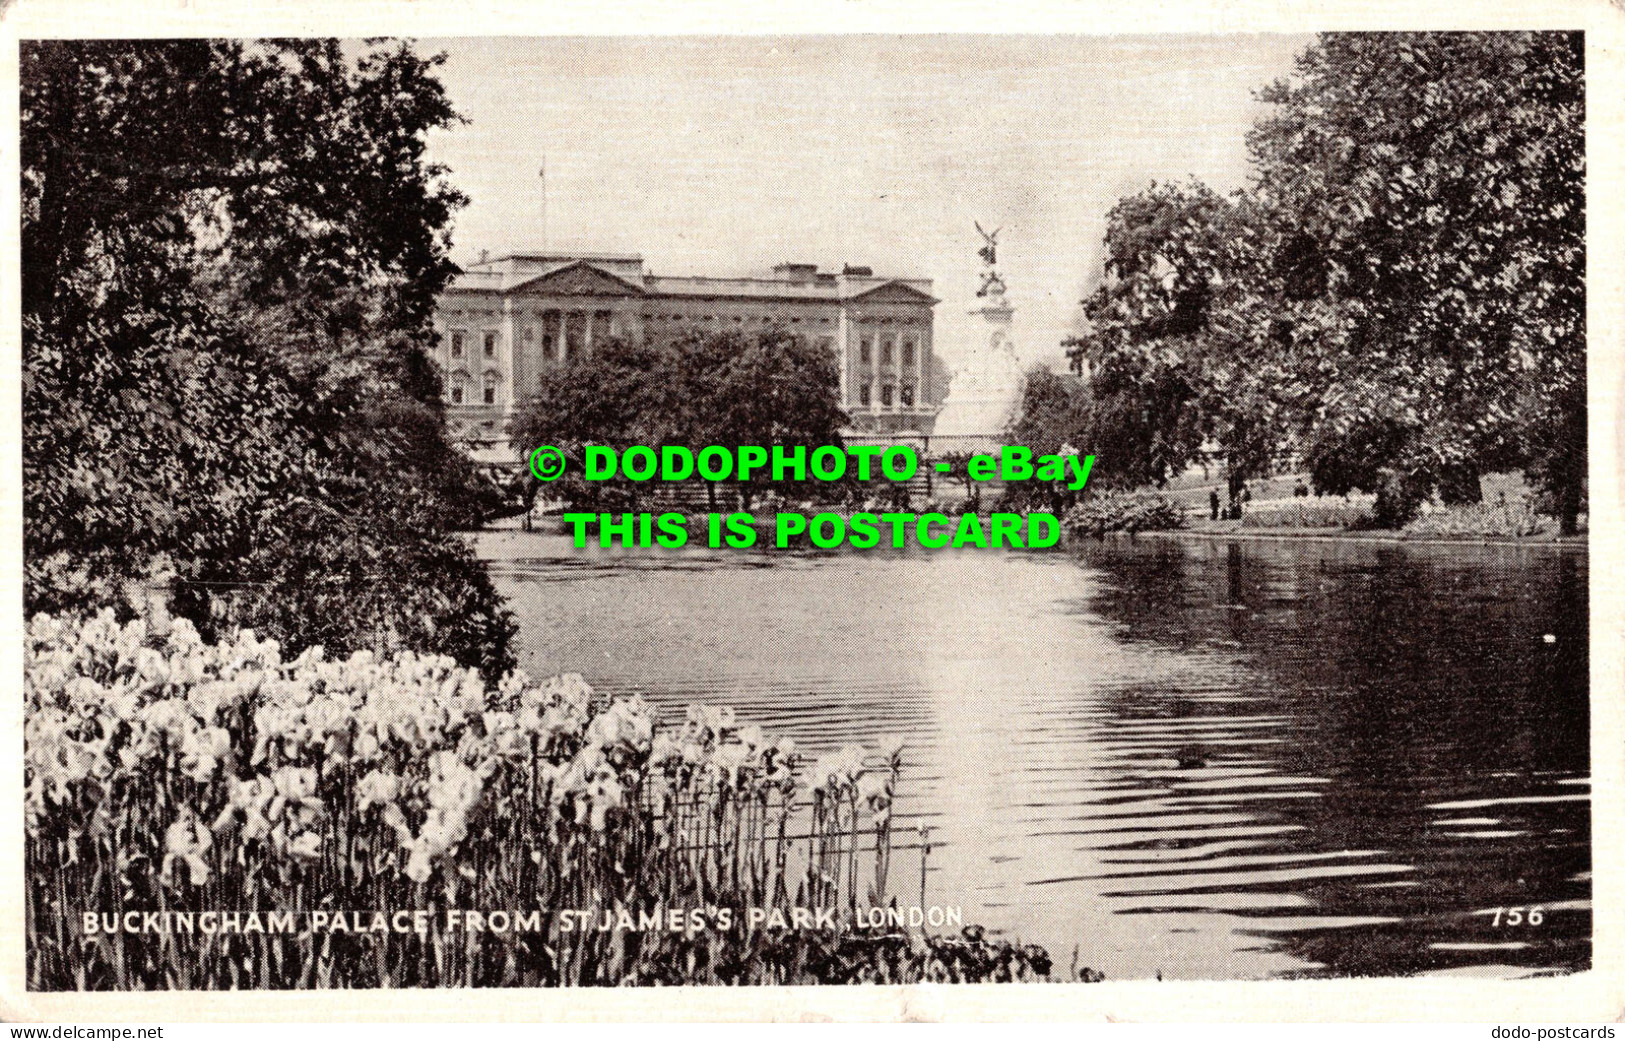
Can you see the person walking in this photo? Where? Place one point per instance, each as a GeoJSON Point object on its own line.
{"type": "Point", "coordinates": [1213, 504]}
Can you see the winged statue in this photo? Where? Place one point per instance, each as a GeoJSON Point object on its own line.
{"type": "Point", "coordinates": [990, 251]}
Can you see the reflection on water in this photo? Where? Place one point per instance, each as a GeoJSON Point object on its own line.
{"type": "Point", "coordinates": [1198, 759]}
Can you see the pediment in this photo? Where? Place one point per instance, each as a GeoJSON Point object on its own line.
{"type": "Point", "coordinates": [895, 293]}
{"type": "Point", "coordinates": [578, 279]}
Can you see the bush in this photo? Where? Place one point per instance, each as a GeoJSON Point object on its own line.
{"type": "Point", "coordinates": [167, 776]}
{"type": "Point", "coordinates": [1400, 496]}
{"type": "Point", "coordinates": [237, 495]}
{"type": "Point", "coordinates": [1310, 513]}
{"type": "Point", "coordinates": [1130, 512]}
{"type": "Point", "coordinates": [1514, 518]}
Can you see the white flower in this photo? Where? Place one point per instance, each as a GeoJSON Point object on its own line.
{"type": "Point", "coordinates": [186, 840]}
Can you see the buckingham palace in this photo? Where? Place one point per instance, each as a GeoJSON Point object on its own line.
{"type": "Point", "coordinates": [503, 321]}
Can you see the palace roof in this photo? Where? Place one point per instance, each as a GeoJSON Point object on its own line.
{"type": "Point", "coordinates": [624, 275]}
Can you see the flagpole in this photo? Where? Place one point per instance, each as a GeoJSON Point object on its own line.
{"type": "Point", "coordinates": [544, 203]}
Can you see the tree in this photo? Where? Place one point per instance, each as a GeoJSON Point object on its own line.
{"type": "Point", "coordinates": [1056, 410]}
{"type": "Point", "coordinates": [697, 389]}
{"type": "Point", "coordinates": [619, 396]}
{"type": "Point", "coordinates": [1428, 190]}
{"type": "Point", "coordinates": [775, 389]}
{"type": "Point", "coordinates": [1405, 276]}
{"type": "Point", "coordinates": [1162, 337]}
{"type": "Point", "coordinates": [230, 258]}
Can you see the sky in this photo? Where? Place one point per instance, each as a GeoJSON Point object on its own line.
{"type": "Point", "coordinates": [727, 155]}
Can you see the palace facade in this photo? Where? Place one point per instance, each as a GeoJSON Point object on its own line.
{"type": "Point", "coordinates": [505, 321]}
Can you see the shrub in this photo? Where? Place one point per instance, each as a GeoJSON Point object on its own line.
{"type": "Point", "coordinates": [1130, 512]}
{"type": "Point", "coordinates": [1310, 513]}
{"type": "Point", "coordinates": [1399, 496]}
{"type": "Point", "coordinates": [165, 775]}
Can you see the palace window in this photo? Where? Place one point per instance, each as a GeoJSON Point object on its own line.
{"type": "Point", "coordinates": [886, 351]}
{"type": "Point", "coordinates": [457, 395]}
{"type": "Point", "coordinates": [490, 388]}
{"type": "Point", "coordinates": [908, 352]}
{"type": "Point", "coordinates": [885, 395]}
{"type": "Point", "coordinates": [490, 345]}
{"type": "Point", "coordinates": [456, 343]}
{"type": "Point", "coordinates": [863, 394]}
{"type": "Point", "coordinates": [907, 394]}
{"type": "Point", "coordinates": [547, 347]}
{"type": "Point", "coordinates": [530, 334]}
{"type": "Point", "coordinates": [866, 351]}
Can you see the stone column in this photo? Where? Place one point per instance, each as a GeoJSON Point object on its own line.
{"type": "Point", "coordinates": [507, 389]}
{"type": "Point", "coordinates": [919, 371]}
{"type": "Point", "coordinates": [843, 346]}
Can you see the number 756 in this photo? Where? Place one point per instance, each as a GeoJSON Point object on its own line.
{"type": "Point", "coordinates": [1514, 916]}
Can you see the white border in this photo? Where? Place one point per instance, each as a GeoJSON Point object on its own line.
{"type": "Point", "coordinates": [1594, 996]}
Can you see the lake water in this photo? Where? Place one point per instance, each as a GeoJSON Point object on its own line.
{"type": "Point", "coordinates": [1199, 759]}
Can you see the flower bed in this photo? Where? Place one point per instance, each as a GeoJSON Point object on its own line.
{"type": "Point", "coordinates": [1514, 518]}
{"type": "Point", "coordinates": [1309, 513]}
{"type": "Point", "coordinates": [165, 776]}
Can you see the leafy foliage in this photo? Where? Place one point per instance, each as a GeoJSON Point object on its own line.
{"type": "Point", "coordinates": [699, 389]}
{"type": "Point", "coordinates": [230, 257]}
{"type": "Point", "coordinates": [1137, 428]}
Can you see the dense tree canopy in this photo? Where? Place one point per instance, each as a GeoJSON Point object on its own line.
{"type": "Point", "coordinates": [1400, 293]}
{"type": "Point", "coordinates": [230, 258]}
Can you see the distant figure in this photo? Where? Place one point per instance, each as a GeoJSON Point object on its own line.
{"type": "Point", "coordinates": [1300, 491]}
{"type": "Point", "coordinates": [1213, 504]}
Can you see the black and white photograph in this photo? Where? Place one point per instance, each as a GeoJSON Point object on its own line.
{"type": "Point", "coordinates": [722, 510]}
